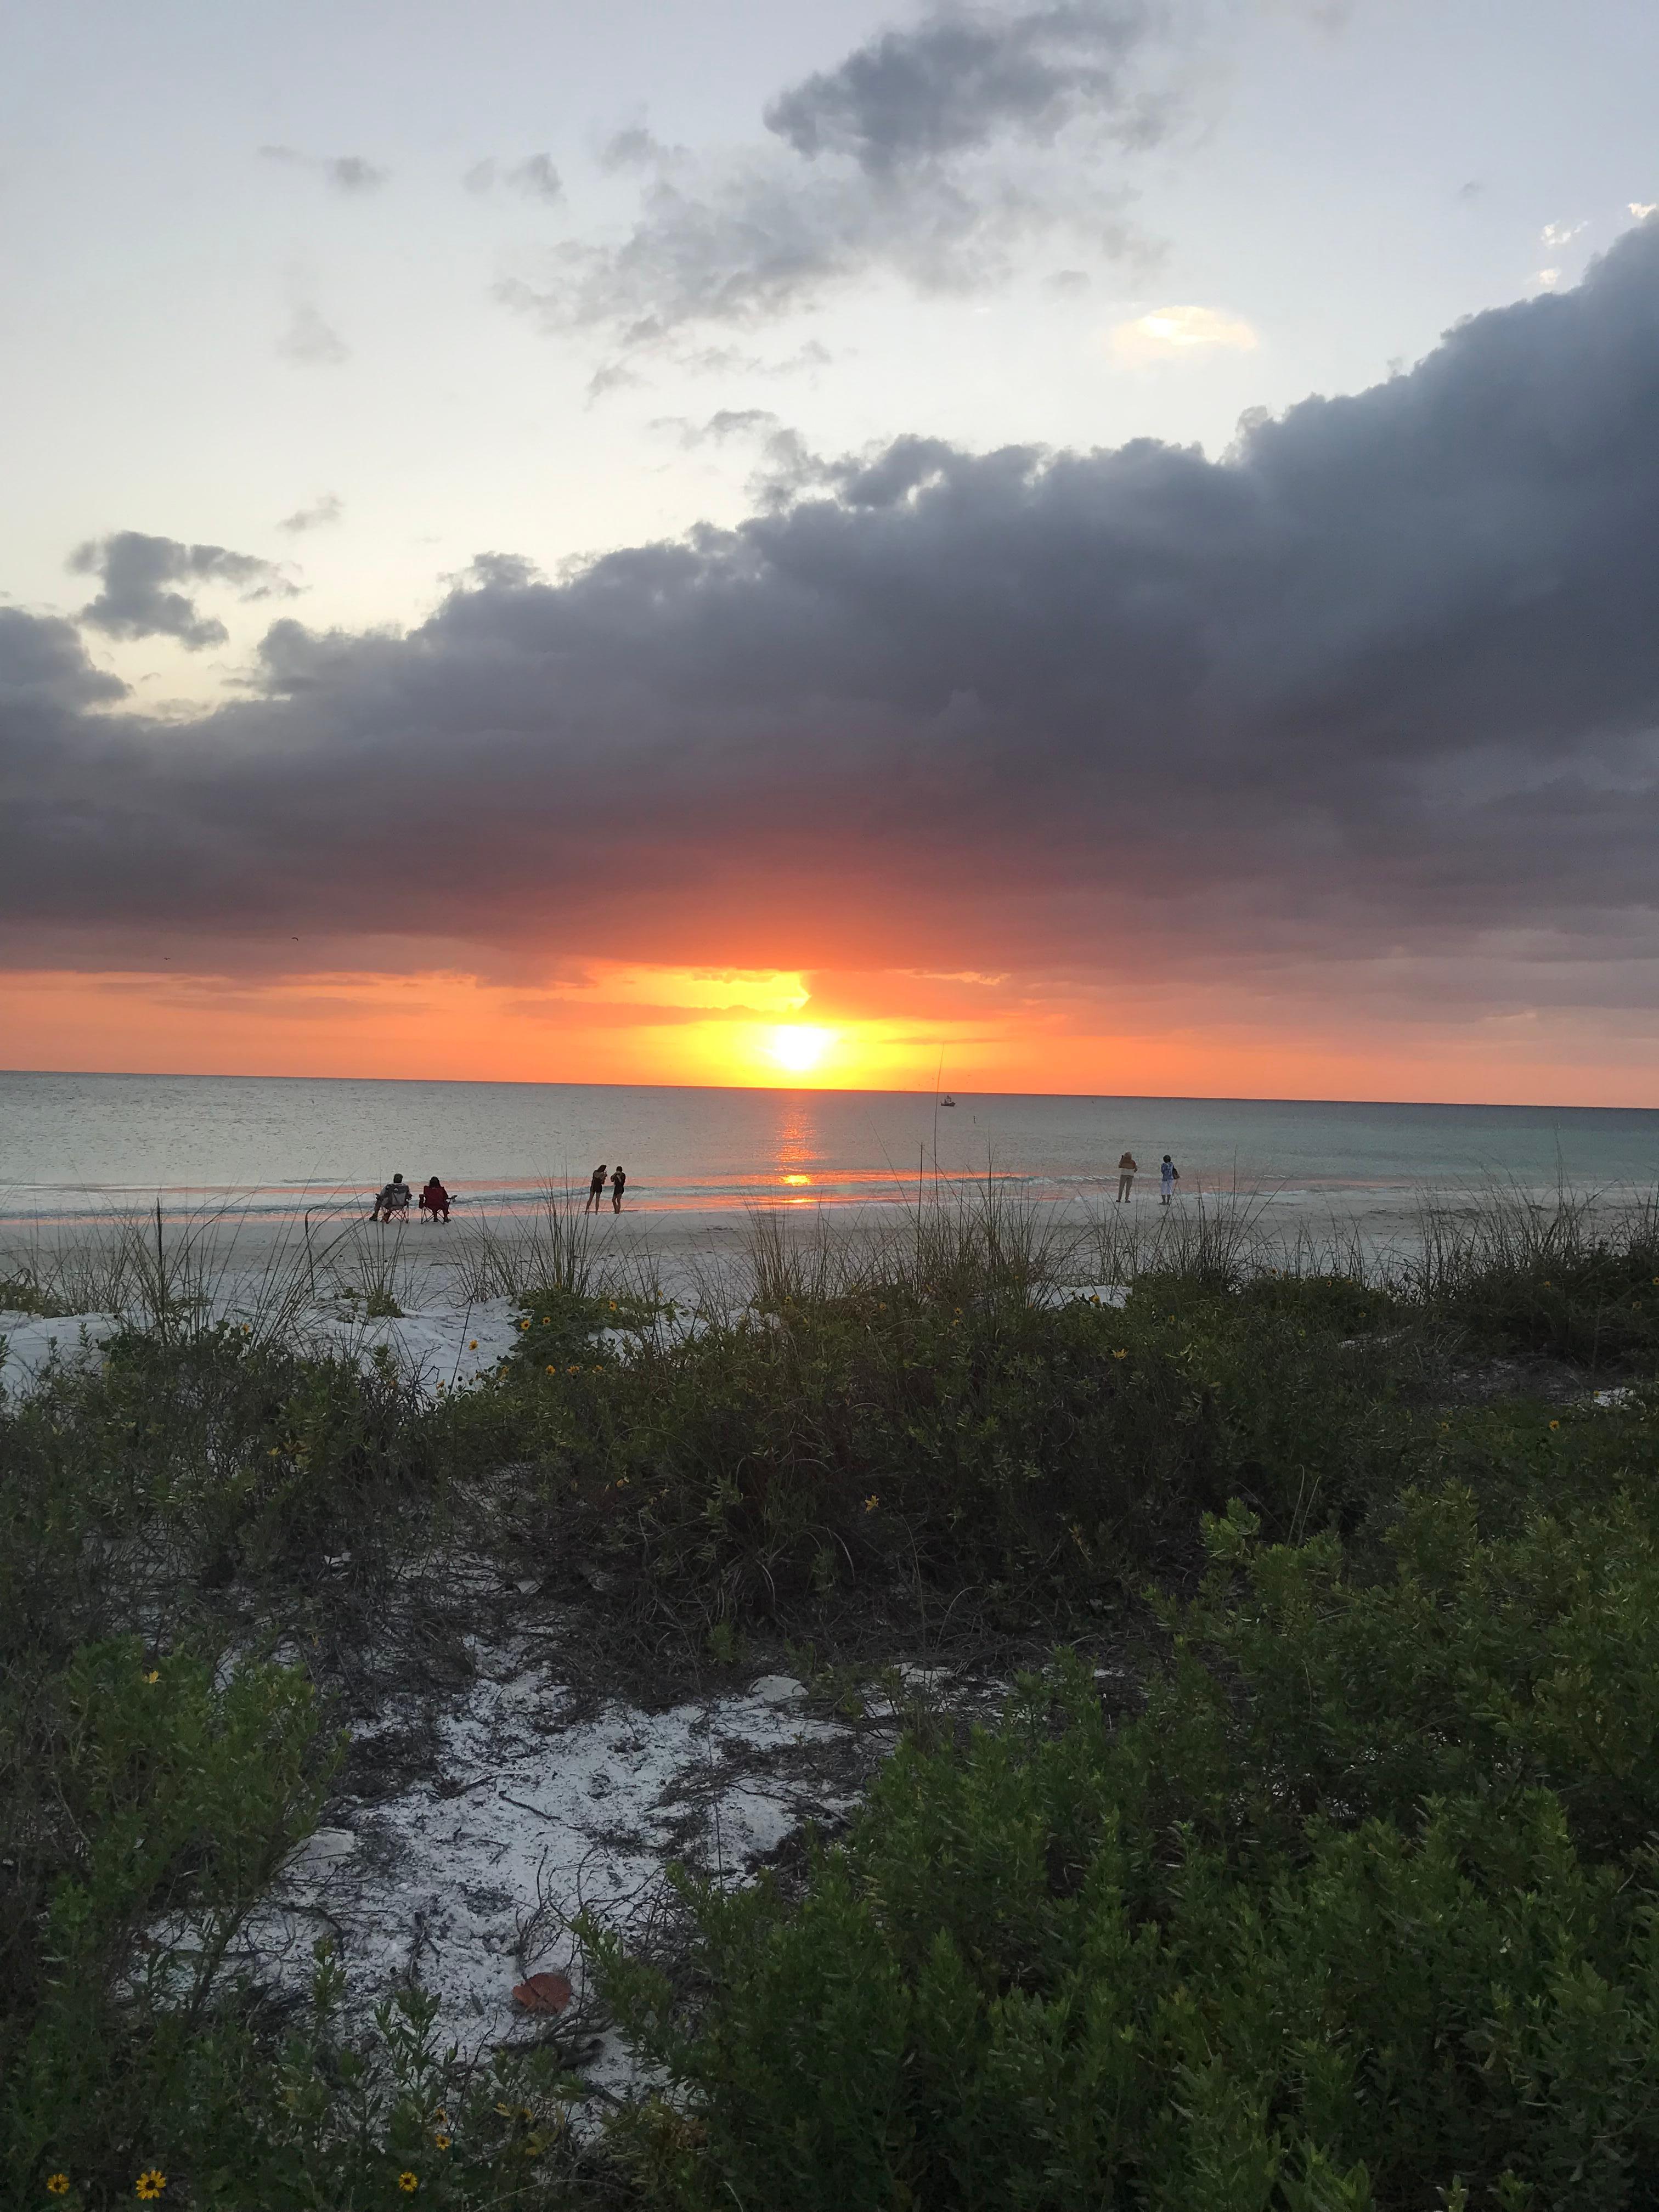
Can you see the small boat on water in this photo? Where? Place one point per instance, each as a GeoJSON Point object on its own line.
{"type": "Point", "coordinates": [947, 1102]}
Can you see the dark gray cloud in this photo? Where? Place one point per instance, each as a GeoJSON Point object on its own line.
{"type": "Point", "coordinates": [135, 570]}
{"type": "Point", "coordinates": [960, 80]}
{"type": "Point", "coordinates": [44, 661]}
{"type": "Point", "coordinates": [917, 155]}
{"type": "Point", "coordinates": [1384, 682]}
{"type": "Point", "coordinates": [535, 177]}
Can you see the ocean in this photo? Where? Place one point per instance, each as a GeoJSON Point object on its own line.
{"type": "Point", "coordinates": [73, 1144]}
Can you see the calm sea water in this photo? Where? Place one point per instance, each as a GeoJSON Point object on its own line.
{"type": "Point", "coordinates": [75, 1142]}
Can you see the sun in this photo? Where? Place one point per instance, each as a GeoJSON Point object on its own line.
{"type": "Point", "coordinates": [799, 1047]}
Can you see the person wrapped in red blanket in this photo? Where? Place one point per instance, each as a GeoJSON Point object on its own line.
{"type": "Point", "coordinates": [435, 1201]}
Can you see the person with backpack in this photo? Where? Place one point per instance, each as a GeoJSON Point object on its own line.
{"type": "Point", "coordinates": [1169, 1175]}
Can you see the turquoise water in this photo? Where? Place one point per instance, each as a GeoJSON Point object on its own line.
{"type": "Point", "coordinates": [73, 1142]}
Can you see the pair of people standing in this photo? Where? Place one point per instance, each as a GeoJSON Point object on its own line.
{"type": "Point", "coordinates": [1128, 1168]}
{"type": "Point", "coordinates": [596, 1183]}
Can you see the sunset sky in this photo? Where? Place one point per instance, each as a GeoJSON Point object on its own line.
{"type": "Point", "coordinates": [1092, 546]}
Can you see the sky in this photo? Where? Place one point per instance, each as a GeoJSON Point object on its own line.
{"type": "Point", "coordinates": [1098, 546]}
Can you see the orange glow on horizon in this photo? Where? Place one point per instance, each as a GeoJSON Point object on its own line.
{"type": "Point", "coordinates": [879, 1031]}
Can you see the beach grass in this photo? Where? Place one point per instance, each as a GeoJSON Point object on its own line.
{"type": "Point", "coordinates": [1384, 1558]}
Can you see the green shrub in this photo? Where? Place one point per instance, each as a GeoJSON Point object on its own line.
{"type": "Point", "coordinates": [1360, 1910]}
{"type": "Point", "coordinates": [146, 1810]}
{"type": "Point", "coordinates": [983, 1439]}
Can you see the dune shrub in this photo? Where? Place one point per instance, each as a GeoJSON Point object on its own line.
{"type": "Point", "coordinates": [1360, 1912]}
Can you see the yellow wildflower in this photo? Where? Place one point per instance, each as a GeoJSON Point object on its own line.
{"type": "Point", "coordinates": [443, 2142]}
{"type": "Point", "coordinates": [1555, 1424]}
{"type": "Point", "coordinates": [547, 1322]}
{"type": "Point", "coordinates": [552, 1371]}
{"type": "Point", "coordinates": [871, 1502]}
{"type": "Point", "coordinates": [408, 2183]}
{"type": "Point", "coordinates": [1121, 1355]}
{"type": "Point", "coordinates": [58, 2184]}
{"type": "Point", "coordinates": [154, 1675]}
{"type": "Point", "coordinates": [151, 2184]}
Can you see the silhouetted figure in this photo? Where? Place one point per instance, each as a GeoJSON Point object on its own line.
{"type": "Point", "coordinates": [618, 1185]}
{"type": "Point", "coordinates": [1127, 1168]}
{"type": "Point", "coordinates": [595, 1189]}
{"type": "Point", "coordinates": [435, 1201]}
{"type": "Point", "coordinates": [393, 1200]}
{"type": "Point", "coordinates": [1169, 1175]}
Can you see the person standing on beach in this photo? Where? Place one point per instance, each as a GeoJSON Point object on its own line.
{"type": "Point", "coordinates": [1127, 1168]}
{"type": "Point", "coordinates": [618, 1185]}
{"type": "Point", "coordinates": [595, 1189]}
{"type": "Point", "coordinates": [1169, 1175]}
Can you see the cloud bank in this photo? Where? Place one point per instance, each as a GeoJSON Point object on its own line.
{"type": "Point", "coordinates": [1381, 687]}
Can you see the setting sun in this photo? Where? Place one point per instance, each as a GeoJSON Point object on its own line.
{"type": "Point", "coordinates": [799, 1047]}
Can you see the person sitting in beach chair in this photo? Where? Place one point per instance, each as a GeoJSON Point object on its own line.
{"type": "Point", "coordinates": [393, 1200]}
{"type": "Point", "coordinates": [435, 1201]}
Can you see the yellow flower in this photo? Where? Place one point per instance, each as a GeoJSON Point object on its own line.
{"type": "Point", "coordinates": [871, 1502]}
{"type": "Point", "coordinates": [154, 1675]}
{"type": "Point", "coordinates": [1121, 1355]}
{"type": "Point", "coordinates": [151, 2184]}
{"type": "Point", "coordinates": [524, 1324]}
{"type": "Point", "coordinates": [443, 2142]}
{"type": "Point", "coordinates": [408, 2183]}
{"type": "Point", "coordinates": [473, 1345]}
{"type": "Point", "coordinates": [552, 1371]}
{"type": "Point", "coordinates": [547, 1322]}
{"type": "Point", "coordinates": [58, 2184]}
{"type": "Point", "coordinates": [1555, 1424]}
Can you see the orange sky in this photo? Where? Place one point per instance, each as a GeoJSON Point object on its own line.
{"type": "Point", "coordinates": [642, 1024]}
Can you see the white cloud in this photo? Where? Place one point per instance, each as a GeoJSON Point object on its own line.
{"type": "Point", "coordinates": [1170, 333]}
{"type": "Point", "coordinates": [1557, 234]}
{"type": "Point", "coordinates": [1545, 280]}
{"type": "Point", "coordinates": [1642, 209]}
